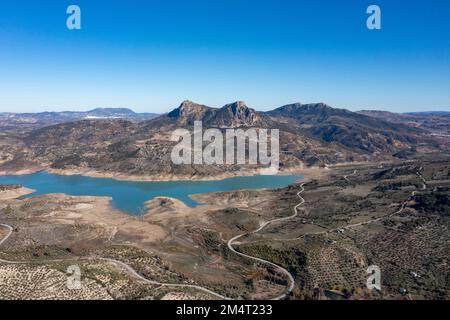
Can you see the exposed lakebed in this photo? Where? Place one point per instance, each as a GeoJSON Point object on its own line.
{"type": "Point", "coordinates": [130, 197]}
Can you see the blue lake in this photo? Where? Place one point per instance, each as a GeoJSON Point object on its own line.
{"type": "Point", "coordinates": [131, 196]}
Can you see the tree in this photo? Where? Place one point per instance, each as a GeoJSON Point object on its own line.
{"type": "Point", "coordinates": [8, 210]}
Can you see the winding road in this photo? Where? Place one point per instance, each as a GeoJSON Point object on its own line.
{"type": "Point", "coordinates": [348, 175]}
{"type": "Point", "coordinates": [402, 207]}
{"type": "Point", "coordinates": [230, 244]}
{"type": "Point", "coordinates": [121, 264]}
{"type": "Point", "coordinates": [263, 225]}
{"type": "Point", "coordinates": [10, 231]}
{"type": "Point", "coordinates": [134, 273]}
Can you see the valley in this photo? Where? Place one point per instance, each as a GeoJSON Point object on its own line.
{"type": "Point", "coordinates": [373, 192]}
{"type": "Point", "coordinates": [348, 220]}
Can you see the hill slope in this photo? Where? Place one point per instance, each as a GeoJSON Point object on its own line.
{"type": "Point", "coordinates": [353, 130]}
{"type": "Point", "coordinates": [438, 123]}
{"type": "Point", "coordinates": [312, 134]}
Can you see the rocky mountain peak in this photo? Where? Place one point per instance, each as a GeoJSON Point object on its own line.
{"type": "Point", "coordinates": [236, 114]}
{"type": "Point", "coordinates": [237, 107]}
{"type": "Point", "coordinates": [189, 111]}
{"type": "Point", "coordinates": [188, 104]}
{"type": "Point", "coordinates": [298, 109]}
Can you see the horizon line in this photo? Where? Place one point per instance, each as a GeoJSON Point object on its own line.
{"type": "Point", "coordinates": [88, 109]}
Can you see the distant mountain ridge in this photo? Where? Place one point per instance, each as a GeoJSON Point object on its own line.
{"type": "Point", "coordinates": [42, 119]}
{"type": "Point", "coordinates": [310, 135]}
{"type": "Point", "coordinates": [435, 122]}
{"type": "Point", "coordinates": [430, 113]}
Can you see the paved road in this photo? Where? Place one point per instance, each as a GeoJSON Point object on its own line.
{"type": "Point", "coordinates": [402, 207]}
{"type": "Point", "coordinates": [134, 273]}
{"type": "Point", "coordinates": [10, 231]}
{"type": "Point", "coordinates": [263, 225]}
{"type": "Point", "coordinates": [290, 288]}
{"type": "Point", "coordinates": [347, 175]}
{"type": "Point", "coordinates": [124, 266]}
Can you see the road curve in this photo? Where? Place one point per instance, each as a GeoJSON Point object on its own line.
{"type": "Point", "coordinates": [351, 174]}
{"type": "Point", "coordinates": [121, 264]}
{"type": "Point", "coordinates": [134, 273]}
{"type": "Point", "coordinates": [263, 225]}
{"type": "Point", "coordinates": [230, 243]}
{"type": "Point", "coordinates": [10, 231]}
{"type": "Point", "coordinates": [400, 210]}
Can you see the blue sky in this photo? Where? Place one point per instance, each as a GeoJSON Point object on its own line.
{"type": "Point", "coordinates": [151, 55]}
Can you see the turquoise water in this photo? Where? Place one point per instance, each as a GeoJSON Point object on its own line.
{"type": "Point", "coordinates": [130, 196]}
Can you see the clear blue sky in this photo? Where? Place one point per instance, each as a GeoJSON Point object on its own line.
{"type": "Point", "coordinates": [151, 55]}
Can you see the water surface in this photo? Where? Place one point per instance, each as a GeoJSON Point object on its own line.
{"type": "Point", "coordinates": [130, 196]}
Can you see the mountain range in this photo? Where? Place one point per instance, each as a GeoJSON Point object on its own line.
{"type": "Point", "coordinates": [27, 121]}
{"type": "Point", "coordinates": [436, 122]}
{"type": "Point", "coordinates": [119, 142]}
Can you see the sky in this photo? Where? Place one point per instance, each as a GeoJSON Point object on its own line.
{"type": "Point", "coordinates": [151, 55]}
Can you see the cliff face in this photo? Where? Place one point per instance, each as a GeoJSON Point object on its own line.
{"type": "Point", "coordinates": [237, 114]}
{"type": "Point", "coordinates": [188, 112]}
{"type": "Point", "coordinates": [232, 115]}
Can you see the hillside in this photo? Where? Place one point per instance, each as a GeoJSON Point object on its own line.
{"type": "Point", "coordinates": [310, 135]}
{"type": "Point", "coordinates": [353, 130]}
{"type": "Point", "coordinates": [438, 123]}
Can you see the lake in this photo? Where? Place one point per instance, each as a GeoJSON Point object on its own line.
{"type": "Point", "coordinates": [130, 196]}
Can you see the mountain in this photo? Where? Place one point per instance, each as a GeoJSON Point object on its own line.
{"type": "Point", "coordinates": [436, 123]}
{"type": "Point", "coordinates": [387, 116]}
{"type": "Point", "coordinates": [310, 135]}
{"type": "Point", "coordinates": [188, 112]}
{"type": "Point", "coordinates": [353, 130]}
{"type": "Point", "coordinates": [430, 113]}
{"type": "Point", "coordinates": [235, 114]}
{"type": "Point", "coordinates": [124, 113]}
{"type": "Point", "coordinates": [299, 111]}
{"type": "Point", "coordinates": [28, 121]}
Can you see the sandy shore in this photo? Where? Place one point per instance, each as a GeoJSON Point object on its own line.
{"type": "Point", "coordinates": [300, 170]}
{"type": "Point", "coordinates": [148, 178]}
{"type": "Point", "coordinates": [97, 211]}
{"type": "Point", "coordinates": [166, 210]}
{"type": "Point", "coordinates": [15, 193]}
{"type": "Point", "coordinates": [310, 172]}
{"type": "Point", "coordinates": [22, 171]}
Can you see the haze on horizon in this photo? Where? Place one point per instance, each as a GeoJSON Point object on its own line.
{"type": "Point", "coordinates": [151, 56]}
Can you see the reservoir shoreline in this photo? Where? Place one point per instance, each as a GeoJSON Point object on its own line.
{"type": "Point", "coordinates": [300, 170]}
{"type": "Point", "coordinates": [131, 196]}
